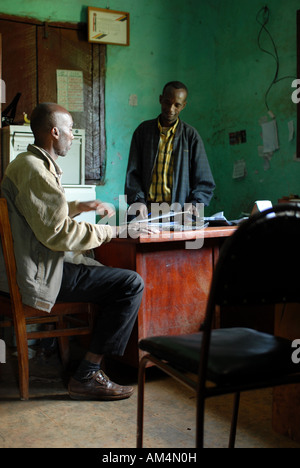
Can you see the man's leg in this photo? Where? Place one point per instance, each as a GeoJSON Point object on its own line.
{"type": "Point", "coordinates": [119, 293]}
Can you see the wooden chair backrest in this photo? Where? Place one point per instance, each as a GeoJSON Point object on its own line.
{"type": "Point", "coordinates": [8, 253]}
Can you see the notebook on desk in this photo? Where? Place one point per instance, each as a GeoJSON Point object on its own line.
{"type": "Point", "coordinates": [218, 219]}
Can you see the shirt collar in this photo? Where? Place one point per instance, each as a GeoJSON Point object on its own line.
{"type": "Point", "coordinates": [171, 129]}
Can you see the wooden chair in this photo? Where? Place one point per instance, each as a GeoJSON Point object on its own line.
{"type": "Point", "coordinates": [258, 265]}
{"type": "Point", "coordinates": [70, 319]}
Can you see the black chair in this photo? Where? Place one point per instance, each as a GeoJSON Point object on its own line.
{"type": "Point", "coordinates": [258, 265]}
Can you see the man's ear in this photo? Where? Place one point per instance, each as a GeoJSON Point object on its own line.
{"type": "Point", "coordinates": [55, 132]}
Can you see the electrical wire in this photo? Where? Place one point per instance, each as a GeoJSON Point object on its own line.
{"type": "Point", "coordinates": [264, 12]}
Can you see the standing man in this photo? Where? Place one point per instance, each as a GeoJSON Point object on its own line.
{"type": "Point", "coordinates": [167, 160]}
{"type": "Point", "coordinates": [44, 228]}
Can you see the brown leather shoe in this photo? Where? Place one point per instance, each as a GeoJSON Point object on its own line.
{"type": "Point", "coordinates": [98, 387]}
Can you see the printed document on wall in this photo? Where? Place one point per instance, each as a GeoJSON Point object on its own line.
{"type": "Point", "coordinates": [70, 89]}
{"type": "Point", "coordinates": [270, 136]}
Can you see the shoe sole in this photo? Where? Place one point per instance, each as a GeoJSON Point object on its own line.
{"type": "Point", "coordinates": [78, 396]}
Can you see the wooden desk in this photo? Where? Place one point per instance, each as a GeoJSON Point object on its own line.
{"type": "Point", "coordinates": [177, 280]}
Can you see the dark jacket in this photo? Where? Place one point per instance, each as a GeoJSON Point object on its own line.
{"type": "Point", "coordinates": [192, 179]}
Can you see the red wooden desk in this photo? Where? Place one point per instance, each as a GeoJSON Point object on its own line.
{"type": "Point", "coordinates": [177, 280]}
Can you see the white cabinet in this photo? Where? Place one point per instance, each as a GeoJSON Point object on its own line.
{"type": "Point", "coordinates": [16, 138]}
{"type": "Point", "coordinates": [82, 193]}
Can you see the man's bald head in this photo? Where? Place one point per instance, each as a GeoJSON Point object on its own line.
{"type": "Point", "coordinates": [44, 117]}
{"type": "Point", "coordinates": [52, 125]}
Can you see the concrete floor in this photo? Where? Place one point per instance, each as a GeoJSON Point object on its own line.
{"type": "Point", "coordinates": [51, 419]}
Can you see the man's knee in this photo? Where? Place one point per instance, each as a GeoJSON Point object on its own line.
{"type": "Point", "coordinates": [137, 282]}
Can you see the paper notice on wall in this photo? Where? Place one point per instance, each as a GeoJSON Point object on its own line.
{"type": "Point", "coordinates": [239, 169]}
{"type": "Point", "coordinates": [266, 157]}
{"type": "Point", "coordinates": [269, 136]}
{"type": "Point", "coordinates": [70, 89]}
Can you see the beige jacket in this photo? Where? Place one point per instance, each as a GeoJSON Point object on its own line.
{"type": "Point", "coordinates": [43, 227]}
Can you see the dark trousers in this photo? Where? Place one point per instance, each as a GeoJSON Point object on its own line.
{"type": "Point", "coordinates": [119, 293]}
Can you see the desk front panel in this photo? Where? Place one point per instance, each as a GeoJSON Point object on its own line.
{"type": "Point", "coordinates": [177, 283]}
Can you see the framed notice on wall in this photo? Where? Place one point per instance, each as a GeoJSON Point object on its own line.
{"type": "Point", "coordinates": [108, 26]}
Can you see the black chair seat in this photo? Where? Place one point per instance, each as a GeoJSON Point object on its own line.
{"type": "Point", "coordinates": [236, 354]}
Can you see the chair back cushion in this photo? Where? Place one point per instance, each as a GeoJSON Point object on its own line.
{"type": "Point", "coordinates": [259, 263]}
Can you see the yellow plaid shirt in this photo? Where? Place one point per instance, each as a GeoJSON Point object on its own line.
{"type": "Point", "coordinates": [162, 178]}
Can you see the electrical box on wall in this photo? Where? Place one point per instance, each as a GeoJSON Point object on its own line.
{"type": "Point", "coordinates": [16, 138]}
{"type": "Point", "coordinates": [235, 138]}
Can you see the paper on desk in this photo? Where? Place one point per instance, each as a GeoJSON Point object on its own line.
{"type": "Point", "coordinates": [170, 214]}
{"type": "Point", "coordinates": [216, 217]}
{"type": "Point", "coordinates": [219, 215]}
{"type": "Point", "coordinates": [173, 226]}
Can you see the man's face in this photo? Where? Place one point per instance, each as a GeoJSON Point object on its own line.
{"type": "Point", "coordinates": [65, 135]}
{"type": "Point", "coordinates": [173, 101]}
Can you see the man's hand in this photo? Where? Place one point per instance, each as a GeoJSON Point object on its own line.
{"type": "Point", "coordinates": [98, 206]}
{"type": "Point", "coordinates": [134, 230]}
{"type": "Point", "coordinates": [192, 209]}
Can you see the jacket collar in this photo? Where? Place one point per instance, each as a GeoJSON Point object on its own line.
{"type": "Point", "coordinates": [38, 151]}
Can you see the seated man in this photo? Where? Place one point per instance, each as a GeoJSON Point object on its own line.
{"type": "Point", "coordinates": [44, 228]}
{"type": "Point", "coordinates": [167, 160]}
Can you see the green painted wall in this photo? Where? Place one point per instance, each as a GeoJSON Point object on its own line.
{"type": "Point", "coordinates": [244, 73]}
{"type": "Point", "coordinates": [212, 46]}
